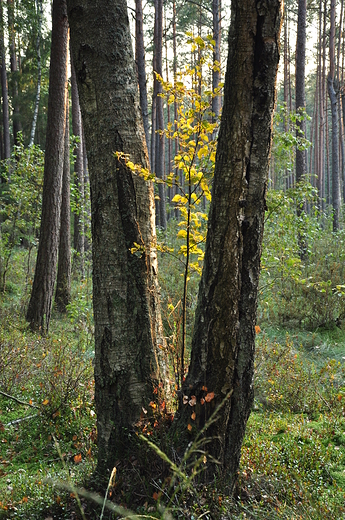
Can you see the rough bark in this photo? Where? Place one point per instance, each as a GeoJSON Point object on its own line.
{"type": "Point", "coordinates": [301, 166]}
{"type": "Point", "coordinates": [63, 279]}
{"type": "Point", "coordinates": [223, 342]}
{"type": "Point", "coordinates": [39, 309]}
{"type": "Point", "coordinates": [140, 61]}
{"type": "Point", "coordinates": [126, 308]}
{"type": "Point", "coordinates": [79, 227]}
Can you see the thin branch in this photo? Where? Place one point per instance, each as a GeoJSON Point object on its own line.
{"type": "Point", "coordinates": [18, 400]}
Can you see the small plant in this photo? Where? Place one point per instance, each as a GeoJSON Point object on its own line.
{"type": "Point", "coordinates": [193, 167]}
{"type": "Point", "coordinates": [20, 204]}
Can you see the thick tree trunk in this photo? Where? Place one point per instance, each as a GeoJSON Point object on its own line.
{"type": "Point", "coordinates": [39, 310]}
{"type": "Point", "coordinates": [223, 342]}
{"type": "Point", "coordinates": [126, 308]}
{"type": "Point", "coordinates": [79, 228]}
{"type": "Point", "coordinates": [140, 61]}
{"type": "Point", "coordinates": [63, 279]}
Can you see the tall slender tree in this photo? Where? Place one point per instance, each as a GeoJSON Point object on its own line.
{"type": "Point", "coordinates": [141, 68]}
{"type": "Point", "coordinates": [63, 279]}
{"type": "Point", "coordinates": [39, 309]}
{"type": "Point", "coordinates": [301, 167]}
{"type": "Point", "coordinates": [4, 87]}
{"type": "Point", "coordinates": [39, 13]}
{"type": "Point", "coordinates": [14, 70]}
{"type": "Point", "coordinates": [336, 194]}
{"type": "Point", "coordinates": [79, 227]}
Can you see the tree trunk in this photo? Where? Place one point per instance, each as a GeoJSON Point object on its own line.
{"type": "Point", "coordinates": [336, 196]}
{"type": "Point", "coordinates": [140, 61]}
{"type": "Point", "coordinates": [128, 327]}
{"type": "Point", "coordinates": [63, 279]}
{"type": "Point", "coordinates": [39, 310]}
{"type": "Point", "coordinates": [222, 359]}
{"type": "Point", "coordinates": [300, 86]}
{"type": "Point", "coordinates": [39, 10]}
{"type": "Point", "coordinates": [216, 100]}
{"type": "Point", "coordinates": [79, 228]}
{"type": "Point", "coordinates": [14, 70]}
{"type": "Point", "coordinates": [4, 86]}
{"type": "Point", "coordinates": [159, 153]}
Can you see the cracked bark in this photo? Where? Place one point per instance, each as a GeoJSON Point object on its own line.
{"type": "Point", "coordinates": [223, 342]}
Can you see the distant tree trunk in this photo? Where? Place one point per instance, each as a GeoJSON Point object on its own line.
{"type": "Point", "coordinates": [159, 152]}
{"type": "Point", "coordinates": [222, 359]}
{"type": "Point", "coordinates": [4, 86]}
{"type": "Point", "coordinates": [128, 328]}
{"type": "Point", "coordinates": [286, 89]}
{"type": "Point", "coordinates": [176, 143]}
{"type": "Point", "coordinates": [300, 85]}
{"type": "Point", "coordinates": [39, 9]}
{"type": "Point", "coordinates": [14, 70]}
{"type": "Point", "coordinates": [169, 155]}
{"type": "Point", "coordinates": [140, 61]}
{"type": "Point", "coordinates": [79, 228]}
{"type": "Point", "coordinates": [217, 33]}
{"type": "Point", "coordinates": [336, 196]}
{"type": "Point", "coordinates": [39, 310]}
{"type": "Point", "coordinates": [63, 279]}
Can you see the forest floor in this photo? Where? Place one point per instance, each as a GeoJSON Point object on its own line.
{"type": "Point", "coordinates": [293, 456]}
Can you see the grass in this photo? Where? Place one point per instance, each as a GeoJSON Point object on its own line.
{"type": "Point", "coordinates": [293, 457]}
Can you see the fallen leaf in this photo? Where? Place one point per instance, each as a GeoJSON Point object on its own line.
{"type": "Point", "coordinates": [209, 397]}
{"type": "Point", "coordinates": [192, 401]}
{"type": "Point", "coordinates": [193, 416]}
{"type": "Point", "coordinates": [45, 402]}
{"type": "Point", "coordinates": [202, 400]}
{"type": "Point", "coordinates": [185, 399]}
{"type": "Point", "coordinates": [204, 388]}
{"type": "Point", "coordinates": [257, 329]}
{"type": "Point", "coordinates": [190, 427]}
{"type": "Point", "coordinates": [77, 458]}
{"type": "Point", "coordinates": [155, 496]}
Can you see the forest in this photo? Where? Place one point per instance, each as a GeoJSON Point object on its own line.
{"type": "Point", "coordinates": [172, 259]}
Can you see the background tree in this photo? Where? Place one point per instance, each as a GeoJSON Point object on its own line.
{"type": "Point", "coordinates": [63, 279]}
{"type": "Point", "coordinates": [336, 193]}
{"type": "Point", "coordinates": [40, 304]}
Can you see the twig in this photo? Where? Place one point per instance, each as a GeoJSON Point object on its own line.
{"type": "Point", "coordinates": [17, 421]}
{"type": "Point", "coordinates": [18, 400]}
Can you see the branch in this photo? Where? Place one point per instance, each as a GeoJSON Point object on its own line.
{"type": "Point", "coordinates": [18, 400]}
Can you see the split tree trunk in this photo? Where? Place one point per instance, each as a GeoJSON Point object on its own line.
{"type": "Point", "coordinates": [222, 359]}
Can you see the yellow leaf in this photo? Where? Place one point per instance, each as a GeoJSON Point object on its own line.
{"type": "Point", "coordinates": [45, 402]}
